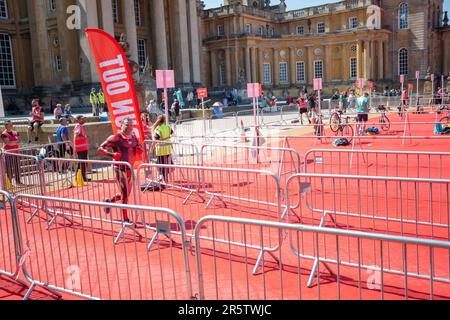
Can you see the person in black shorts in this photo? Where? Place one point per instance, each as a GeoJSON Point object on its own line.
{"type": "Point", "coordinates": [37, 120]}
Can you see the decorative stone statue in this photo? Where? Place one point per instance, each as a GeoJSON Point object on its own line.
{"type": "Point", "coordinates": [242, 79]}
{"type": "Point", "coordinates": [427, 88]}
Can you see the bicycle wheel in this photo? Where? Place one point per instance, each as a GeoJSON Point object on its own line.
{"type": "Point", "coordinates": [347, 131]}
{"type": "Point", "coordinates": [335, 122]}
{"type": "Point", "coordinates": [385, 123]}
{"type": "Point", "coordinates": [445, 121]}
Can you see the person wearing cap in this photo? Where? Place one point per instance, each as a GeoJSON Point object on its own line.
{"type": "Point", "coordinates": [58, 112]}
{"type": "Point", "coordinates": [81, 143]}
{"type": "Point", "coordinates": [11, 145]}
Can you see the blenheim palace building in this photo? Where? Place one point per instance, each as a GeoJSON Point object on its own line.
{"type": "Point", "coordinates": [239, 42]}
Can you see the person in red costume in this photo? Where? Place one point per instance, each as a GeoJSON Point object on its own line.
{"type": "Point", "coordinates": [122, 147]}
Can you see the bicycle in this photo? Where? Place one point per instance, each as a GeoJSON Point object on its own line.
{"type": "Point", "coordinates": [384, 121]}
{"type": "Point", "coordinates": [346, 130]}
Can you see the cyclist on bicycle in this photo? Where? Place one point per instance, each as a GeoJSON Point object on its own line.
{"type": "Point", "coordinates": [362, 105]}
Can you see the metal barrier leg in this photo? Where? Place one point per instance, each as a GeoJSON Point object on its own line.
{"type": "Point", "coordinates": [212, 199]}
{"type": "Point", "coordinates": [258, 262]}
{"type": "Point", "coordinates": [126, 225]}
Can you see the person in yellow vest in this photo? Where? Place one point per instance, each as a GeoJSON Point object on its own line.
{"type": "Point", "coordinates": [163, 133]}
{"type": "Point", "coordinates": [93, 99]}
{"type": "Point", "coordinates": [81, 143]}
{"type": "Point", "coordinates": [101, 101]}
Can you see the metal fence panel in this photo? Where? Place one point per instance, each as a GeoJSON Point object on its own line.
{"type": "Point", "coordinates": [77, 255]}
{"type": "Point", "coordinates": [224, 269]}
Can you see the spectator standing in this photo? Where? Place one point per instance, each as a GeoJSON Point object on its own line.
{"type": "Point", "coordinates": [63, 139]}
{"type": "Point", "coordinates": [303, 108]}
{"type": "Point", "coordinates": [93, 99]}
{"type": "Point", "coordinates": [362, 104]}
{"type": "Point", "coordinates": [11, 144]}
{"type": "Point", "coordinates": [81, 143]}
{"type": "Point", "coordinates": [101, 101]}
{"type": "Point", "coordinates": [162, 133]}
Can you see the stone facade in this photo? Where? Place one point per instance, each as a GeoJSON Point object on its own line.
{"type": "Point", "coordinates": [49, 59]}
{"type": "Point", "coordinates": [286, 50]}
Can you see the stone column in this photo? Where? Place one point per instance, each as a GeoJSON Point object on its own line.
{"type": "Point", "coordinates": [372, 60]}
{"type": "Point", "coordinates": [326, 64]}
{"type": "Point", "coordinates": [39, 41]}
{"type": "Point", "coordinates": [183, 73]}
{"type": "Point", "coordinates": [446, 58]}
{"type": "Point", "coordinates": [261, 64]}
{"type": "Point", "coordinates": [89, 19]}
{"type": "Point", "coordinates": [292, 66]}
{"type": "Point", "coordinates": [159, 34]}
{"type": "Point", "coordinates": [366, 59]}
{"type": "Point", "coordinates": [107, 17]}
{"type": "Point", "coordinates": [235, 71]}
{"type": "Point", "coordinates": [275, 71]}
{"type": "Point", "coordinates": [228, 66]}
{"type": "Point", "coordinates": [309, 65]}
{"type": "Point", "coordinates": [130, 29]}
{"type": "Point", "coordinates": [248, 65]}
{"type": "Point", "coordinates": [254, 65]}
{"type": "Point", "coordinates": [195, 42]}
{"type": "Point", "coordinates": [214, 69]}
{"type": "Point", "coordinates": [360, 59]}
{"type": "Point", "coordinates": [380, 60]}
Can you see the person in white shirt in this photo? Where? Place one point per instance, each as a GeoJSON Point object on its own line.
{"type": "Point", "coordinates": [153, 111]}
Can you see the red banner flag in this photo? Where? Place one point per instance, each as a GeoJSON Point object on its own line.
{"type": "Point", "coordinates": [117, 82]}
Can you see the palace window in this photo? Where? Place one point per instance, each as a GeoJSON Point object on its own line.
{"type": "Point", "coordinates": [7, 74]}
{"type": "Point", "coordinates": [403, 13]}
{"type": "Point", "coordinates": [283, 72]}
{"type": "Point", "coordinates": [221, 30]}
{"type": "Point", "coordinates": [270, 32]}
{"type": "Point", "coordinates": [403, 61]}
{"type": "Point", "coordinates": [58, 63]}
{"type": "Point", "coordinates": [52, 5]}
{"type": "Point", "coordinates": [318, 69]}
{"type": "Point", "coordinates": [248, 28]}
{"type": "Point", "coordinates": [267, 73]}
{"type": "Point", "coordinates": [137, 12]}
{"type": "Point", "coordinates": [4, 9]}
{"type": "Point", "coordinates": [261, 30]}
{"type": "Point", "coordinates": [353, 68]}
{"type": "Point", "coordinates": [142, 53]}
{"type": "Point", "coordinates": [222, 75]}
{"type": "Point", "coordinates": [300, 30]}
{"type": "Point", "coordinates": [301, 75]}
{"type": "Point", "coordinates": [353, 23]}
{"type": "Point", "coordinates": [115, 8]}
{"type": "Point", "coordinates": [321, 27]}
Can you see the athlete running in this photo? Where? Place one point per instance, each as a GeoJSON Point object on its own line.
{"type": "Point", "coordinates": [122, 147]}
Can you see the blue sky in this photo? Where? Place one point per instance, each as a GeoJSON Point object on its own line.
{"type": "Point", "coordinates": [296, 4]}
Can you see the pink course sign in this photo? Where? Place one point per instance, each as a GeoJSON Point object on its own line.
{"type": "Point", "coordinates": [318, 84]}
{"type": "Point", "coordinates": [417, 74]}
{"type": "Point", "coordinates": [165, 79]}
{"type": "Point", "coordinates": [254, 90]}
{"type": "Point", "coordinates": [402, 79]}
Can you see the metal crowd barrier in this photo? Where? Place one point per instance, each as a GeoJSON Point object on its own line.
{"type": "Point", "coordinates": [388, 205]}
{"type": "Point", "coordinates": [79, 257]}
{"type": "Point", "coordinates": [406, 206]}
{"type": "Point", "coordinates": [182, 153]}
{"type": "Point", "coordinates": [409, 164]}
{"type": "Point", "coordinates": [281, 161]}
{"type": "Point", "coordinates": [20, 173]}
{"type": "Point", "coordinates": [387, 267]}
{"type": "Point", "coordinates": [231, 192]}
{"type": "Point", "coordinates": [9, 247]}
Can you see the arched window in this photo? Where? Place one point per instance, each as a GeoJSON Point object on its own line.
{"type": "Point", "coordinates": [403, 13]}
{"type": "Point", "coordinates": [403, 61]}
